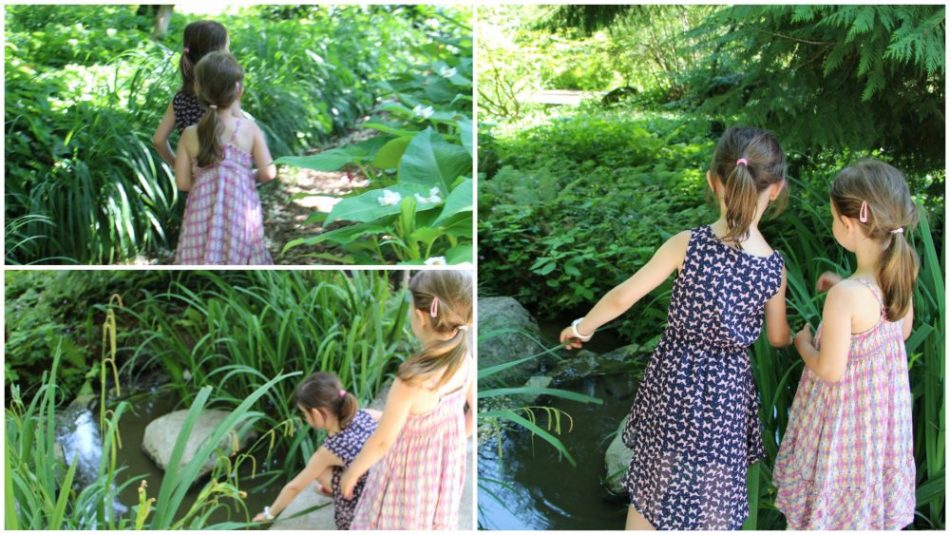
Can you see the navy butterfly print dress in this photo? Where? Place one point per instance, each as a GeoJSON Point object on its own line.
{"type": "Point", "coordinates": [694, 426]}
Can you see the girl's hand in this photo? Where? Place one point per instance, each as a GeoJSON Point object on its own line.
{"type": "Point", "coordinates": [348, 483]}
{"type": "Point", "coordinates": [260, 518]}
{"type": "Point", "coordinates": [827, 280]}
{"type": "Point", "coordinates": [323, 490]}
{"type": "Point", "coordinates": [804, 336]}
{"type": "Point", "coordinates": [568, 339]}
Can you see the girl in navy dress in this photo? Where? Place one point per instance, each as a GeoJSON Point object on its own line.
{"type": "Point", "coordinates": [694, 426]}
{"type": "Point", "coordinates": [326, 405]}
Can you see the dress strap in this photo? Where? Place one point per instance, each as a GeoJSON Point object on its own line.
{"type": "Point", "coordinates": [237, 126]}
{"type": "Point", "coordinates": [875, 291]}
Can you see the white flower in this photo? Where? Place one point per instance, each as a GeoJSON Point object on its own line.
{"type": "Point", "coordinates": [73, 42]}
{"type": "Point", "coordinates": [111, 32]}
{"type": "Point", "coordinates": [389, 198]}
{"type": "Point", "coordinates": [423, 112]}
{"type": "Point", "coordinates": [447, 72]}
{"type": "Point", "coordinates": [436, 261]}
{"type": "Point", "coordinates": [433, 198]}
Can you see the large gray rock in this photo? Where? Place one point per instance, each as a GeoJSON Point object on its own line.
{"type": "Point", "coordinates": [162, 433]}
{"type": "Point", "coordinates": [504, 313]}
{"type": "Point", "coordinates": [617, 459]}
{"type": "Point", "coordinates": [624, 360]}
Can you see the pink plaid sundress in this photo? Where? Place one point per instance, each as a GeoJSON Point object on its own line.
{"type": "Point", "coordinates": [418, 484]}
{"type": "Point", "coordinates": [224, 222]}
{"type": "Point", "coordinates": [847, 458]}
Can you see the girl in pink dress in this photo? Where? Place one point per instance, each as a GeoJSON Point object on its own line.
{"type": "Point", "coordinates": [417, 453]}
{"type": "Point", "coordinates": [847, 458]}
{"type": "Point", "coordinates": [223, 222]}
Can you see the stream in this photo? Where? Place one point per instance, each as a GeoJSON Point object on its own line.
{"type": "Point", "coordinates": [534, 488]}
{"type": "Point", "coordinates": [79, 434]}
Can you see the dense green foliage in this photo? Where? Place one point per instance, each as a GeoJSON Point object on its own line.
{"type": "Point", "coordinates": [418, 206]}
{"type": "Point", "coordinates": [86, 87]}
{"type": "Point", "coordinates": [851, 77]}
{"type": "Point", "coordinates": [575, 200]}
{"type": "Point", "coordinates": [234, 340]}
{"type": "Point", "coordinates": [579, 202]}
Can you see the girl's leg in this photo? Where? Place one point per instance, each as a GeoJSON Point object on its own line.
{"type": "Point", "coordinates": [635, 521]}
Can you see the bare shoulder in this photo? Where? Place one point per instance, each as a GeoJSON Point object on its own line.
{"type": "Point", "coordinates": [680, 240]}
{"type": "Point", "coordinates": [675, 247]}
{"type": "Point", "coordinates": [848, 295]}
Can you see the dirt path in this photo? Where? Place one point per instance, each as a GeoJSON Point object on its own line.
{"type": "Point", "coordinates": [296, 196]}
{"type": "Point", "coordinates": [290, 201]}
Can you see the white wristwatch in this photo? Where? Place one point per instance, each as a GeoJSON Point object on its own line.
{"type": "Point", "coordinates": [267, 514]}
{"type": "Point", "coordinates": [577, 333]}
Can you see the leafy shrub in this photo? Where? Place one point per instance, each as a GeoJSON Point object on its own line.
{"type": "Point", "coordinates": [419, 203]}
{"type": "Point", "coordinates": [86, 87]}
{"type": "Point", "coordinates": [573, 209]}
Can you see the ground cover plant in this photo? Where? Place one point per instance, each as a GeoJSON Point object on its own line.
{"type": "Point", "coordinates": [573, 200]}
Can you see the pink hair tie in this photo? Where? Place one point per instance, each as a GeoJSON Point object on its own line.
{"type": "Point", "coordinates": [742, 161]}
{"type": "Point", "coordinates": [434, 307]}
{"type": "Point", "coordinates": [863, 214]}
{"type": "Point", "coordinates": [187, 50]}
{"type": "Point", "coordinates": [342, 394]}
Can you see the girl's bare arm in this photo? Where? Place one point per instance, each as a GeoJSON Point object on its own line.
{"type": "Point", "coordinates": [668, 258]}
{"type": "Point", "coordinates": [266, 170]}
{"type": "Point", "coordinates": [319, 462]}
{"type": "Point", "coordinates": [777, 329]}
{"type": "Point", "coordinates": [831, 361]}
{"type": "Point", "coordinates": [162, 133]}
{"type": "Point", "coordinates": [183, 159]}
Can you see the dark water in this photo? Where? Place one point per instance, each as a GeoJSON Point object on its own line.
{"type": "Point", "coordinates": [604, 341]}
{"type": "Point", "coordinates": [538, 490]}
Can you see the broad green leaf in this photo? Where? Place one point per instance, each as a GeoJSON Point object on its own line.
{"type": "Point", "coordinates": [389, 154]}
{"type": "Point", "coordinates": [341, 236]}
{"type": "Point", "coordinates": [430, 161]}
{"type": "Point", "coordinates": [328, 160]}
{"type": "Point", "coordinates": [396, 129]}
{"type": "Point", "coordinates": [460, 200]}
{"type": "Point", "coordinates": [465, 132]}
{"type": "Point", "coordinates": [459, 254]}
{"type": "Point", "coordinates": [367, 206]}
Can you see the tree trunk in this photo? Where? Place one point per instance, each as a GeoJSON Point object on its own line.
{"type": "Point", "coordinates": [163, 15]}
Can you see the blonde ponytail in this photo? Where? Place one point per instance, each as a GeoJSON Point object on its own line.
{"type": "Point", "coordinates": [448, 354]}
{"type": "Point", "coordinates": [890, 213]}
{"type": "Point", "coordinates": [445, 298]}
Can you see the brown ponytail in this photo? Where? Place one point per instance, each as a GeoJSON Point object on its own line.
{"type": "Point", "coordinates": [218, 78]}
{"type": "Point", "coordinates": [453, 290]}
{"type": "Point", "coordinates": [200, 38]}
{"type": "Point", "coordinates": [891, 213]}
{"type": "Point", "coordinates": [746, 161]}
{"type": "Point", "coordinates": [323, 391]}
